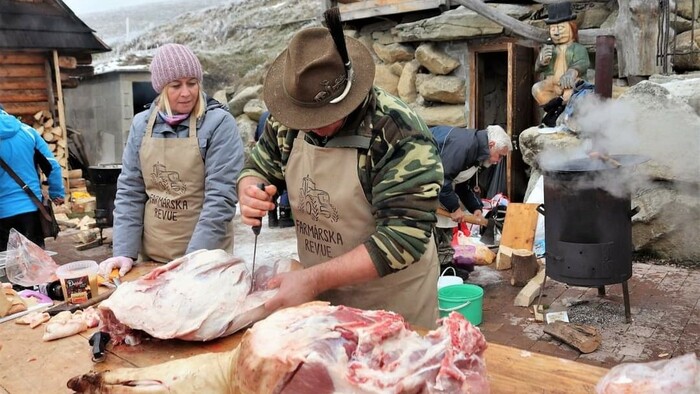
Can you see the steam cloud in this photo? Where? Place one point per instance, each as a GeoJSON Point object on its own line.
{"type": "Point", "coordinates": [646, 123]}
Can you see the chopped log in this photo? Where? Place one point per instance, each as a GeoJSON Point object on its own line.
{"type": "Point", "coordinates": [60, 152]}
{"type": "Point", "coordinates": [48, 123]}
{"type": "Point", "coordinates": [503, 259]}
{"type": "Point", "coordinates": [57, 131]}
{"type": "Point", "coordinates": [530, 291]}
{"type": "Point", "coordinates": [23, 95]}
{"type": "Point", "coordinates": [75, 174]}
{"type": "Point", "coordinates": [63, 162]}
{"type": "Point", "coordinates": [585, 338]}
{"type": "Point", "coordinates": [76, 182]}
{"type": "Point", "coordinates": [39, 129]}
{"type": "Point", "coordinates": [39, 115]}
{"type": "Point", "coordinates": [67, 62]}
{"type": "Point", "coordinates": [49, 136]}
{"type": "Point", "coordinates": [62, 143]}
{"type": "Point", "coordinates": [52, 147]}
{"type": "Point", "coordinates": [22, 83]}
{"type": "Point", "coordinates": [524, 264]}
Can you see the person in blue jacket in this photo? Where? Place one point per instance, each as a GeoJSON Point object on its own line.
{"type": "Point", "coordinates": [19, 143]}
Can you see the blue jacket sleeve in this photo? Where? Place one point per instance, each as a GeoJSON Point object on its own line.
{"type": "Point", "coordinates": [55, 179]}
{"type": "Point", "coordinates": [130, 200]}
{"type": "Point", "coordinates": [222, 164]}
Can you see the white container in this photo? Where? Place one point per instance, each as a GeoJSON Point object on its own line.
{"type": "Point", "coordinates": [78, 280]}
{"type": "Point", "coordinates": [449, 280]}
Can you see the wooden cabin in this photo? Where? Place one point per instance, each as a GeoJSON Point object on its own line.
{"type": "Point", "coordinates": [104, 105]}
{"type": "Point", "coordinates": [44, 48]}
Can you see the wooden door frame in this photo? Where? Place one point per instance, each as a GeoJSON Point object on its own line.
{"type": "Point", "coordinates": [508, 46]}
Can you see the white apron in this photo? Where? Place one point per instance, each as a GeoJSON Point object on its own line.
{"type": "Point", "coordinates": [332, 217]}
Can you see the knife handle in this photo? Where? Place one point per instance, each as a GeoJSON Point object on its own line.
{"type": "Point", "coordinates": [256, 229]}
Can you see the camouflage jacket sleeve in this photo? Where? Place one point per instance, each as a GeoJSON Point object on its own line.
{"type": "Point", "coordinates": [404, 180]}
{"type": "Point", "coordinates": [401, 180]}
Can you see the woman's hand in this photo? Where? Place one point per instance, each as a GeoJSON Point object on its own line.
{"type": "Point", "coordinates": [123, 263]}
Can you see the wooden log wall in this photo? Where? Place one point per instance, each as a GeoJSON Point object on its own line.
{"type": "Point", "coordinates": [27, 85]}
{"type": "Point", "coordinates": [28, 90]}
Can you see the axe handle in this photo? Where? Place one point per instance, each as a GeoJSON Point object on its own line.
{"type": "Point", "coordinates": [469, 218]}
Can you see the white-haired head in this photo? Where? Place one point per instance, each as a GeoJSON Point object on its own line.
{"type": "Point", "coordinates": [499, 137]}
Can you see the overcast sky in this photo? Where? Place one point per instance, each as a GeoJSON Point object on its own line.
{"type": "Point", "coordinates": [82, 7]}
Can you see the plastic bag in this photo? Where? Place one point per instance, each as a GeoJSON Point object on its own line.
{"type": "Point", "coordinates": [28, 264]}
{"type": "Point", "coordinates": [469, 251]}
{"type": "Point", "coordinates": [679, 375]}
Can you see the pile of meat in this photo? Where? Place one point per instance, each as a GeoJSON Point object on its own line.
{"type": "Point", "coordinates": [321, 349]}
{"type": "Point", "coordinates": [198, 297]}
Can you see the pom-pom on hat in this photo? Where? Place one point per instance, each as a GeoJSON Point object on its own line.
{"type": "Point", "coordinates": [171, 62]}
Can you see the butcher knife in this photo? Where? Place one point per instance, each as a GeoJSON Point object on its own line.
{"type": "Point", "coordinates": [256, 231]}
{"type": "Point", "coordinates": [64, 306]}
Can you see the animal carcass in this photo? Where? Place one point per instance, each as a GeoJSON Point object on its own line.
{"type": "Point", "coordinates": [320, 349]}
{"type": "Point", "coordinates": [198, 297]}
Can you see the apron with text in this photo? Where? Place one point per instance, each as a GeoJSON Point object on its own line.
{"type": "Point", "coordinates": [173, 174]}
{"type": "Point", "coordinates": [332, 217]}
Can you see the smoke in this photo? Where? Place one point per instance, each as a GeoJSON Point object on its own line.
{"type": "Point", "coordinates": [646, 121]}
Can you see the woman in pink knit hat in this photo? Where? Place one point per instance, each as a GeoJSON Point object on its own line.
{"type": "Point", "coordinates": [176, 192]}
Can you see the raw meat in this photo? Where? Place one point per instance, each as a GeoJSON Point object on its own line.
{"type": "Point", "coordinates": [317, 348]}
{"type": "Point", "coordinates": [198, 297]}
{"type": "Point", "coordinates": [679, 375]}
{"type": "Point", "coordinates": [64, 325]}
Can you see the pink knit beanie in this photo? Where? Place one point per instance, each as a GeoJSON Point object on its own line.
{"type": "Point", "coordinates": [171, 62]}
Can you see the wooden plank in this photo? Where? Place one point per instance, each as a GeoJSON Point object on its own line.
{"type": "Point", "coordinates": [519, 226]}
{"type": "Point", "coordinates": [530, 291]}
{"type": "Point", "coordinates": [22, 83]}
{"type": "Point", "coordinates": [21, 58]}
{"type": "Point", "coordinates": [61, 110]}
{"type": "Point", "coordinates": [21, 96]}
{"type": "Point", "coordinates": [25, 70]}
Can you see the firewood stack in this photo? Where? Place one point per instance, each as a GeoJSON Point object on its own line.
{"type": "Point", "coordinates": [53, 135]}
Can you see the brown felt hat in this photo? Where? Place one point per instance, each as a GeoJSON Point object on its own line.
{"type": "Point", "coordinates": [305, 86]}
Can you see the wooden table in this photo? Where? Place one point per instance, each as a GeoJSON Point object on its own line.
{"type": "Point", "coordinates": [30, 365]}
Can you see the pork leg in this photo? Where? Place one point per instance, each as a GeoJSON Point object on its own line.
{"type": "Point", "coordinates": [204, 373]}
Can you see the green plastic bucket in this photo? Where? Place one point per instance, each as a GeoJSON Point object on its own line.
{"type": "Point", "coordinates": [465, 299]}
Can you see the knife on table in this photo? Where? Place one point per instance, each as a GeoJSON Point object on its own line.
{"type": "Point", "coordinates": [64, 306]}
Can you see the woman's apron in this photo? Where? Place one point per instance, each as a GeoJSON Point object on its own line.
{"type": "Point", "coordinates": [333, 216]}
{"type": "Point", "coordinates": [173, 173]}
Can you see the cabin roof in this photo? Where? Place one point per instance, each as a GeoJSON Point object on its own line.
{"type": "Point", "coordinates": [45, 25]}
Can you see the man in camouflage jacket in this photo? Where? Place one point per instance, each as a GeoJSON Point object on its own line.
{"type": "Point", "coordinates": [398, 167]}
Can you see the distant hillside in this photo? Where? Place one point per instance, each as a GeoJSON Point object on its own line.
{"type": "Point", "coordinates": [235, 40]}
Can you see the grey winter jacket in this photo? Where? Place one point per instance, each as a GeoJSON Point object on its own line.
{"type": "Point", "coordinates": [222, 152]}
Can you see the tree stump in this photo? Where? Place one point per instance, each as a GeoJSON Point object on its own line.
{"type": "Point", "coordinates": [524, 267]}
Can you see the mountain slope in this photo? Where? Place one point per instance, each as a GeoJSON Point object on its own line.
{"type": "Point", "coordinates": [235, 41]}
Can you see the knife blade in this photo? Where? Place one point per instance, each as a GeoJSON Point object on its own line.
{"type": "Point", "coordinates": [64, 306]}
{"type": "Point", "coordinates": [256, 231]}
